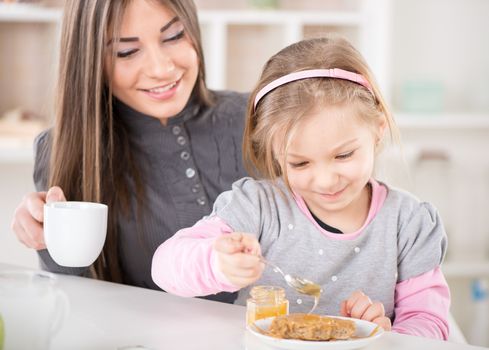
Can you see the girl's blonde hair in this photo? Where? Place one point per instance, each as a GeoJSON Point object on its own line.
{"type": "Point", "coordinates": [279, 112]}
{"type": "Point", "coordinates": [90, 148]}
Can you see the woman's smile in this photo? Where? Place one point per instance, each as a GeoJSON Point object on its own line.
{"type": "Point", "coordinates": [162, 92]}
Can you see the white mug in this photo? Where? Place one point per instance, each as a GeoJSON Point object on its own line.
{"type": "Point", "coordinates": [75, 232]}
{"type": "Point", "coordinates": [32, 308]}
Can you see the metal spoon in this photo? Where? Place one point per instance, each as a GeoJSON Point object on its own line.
{"type": "Point", "coordinates": [301, 285]}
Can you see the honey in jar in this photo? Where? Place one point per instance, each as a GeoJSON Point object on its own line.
{"type": "Point", "coordinates": [266, 301]}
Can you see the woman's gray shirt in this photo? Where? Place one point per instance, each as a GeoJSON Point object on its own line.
{"type": "Point", "coordinates": [186, 165]}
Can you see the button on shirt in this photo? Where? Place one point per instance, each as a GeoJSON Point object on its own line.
{"type": "Point", "coordinates": [176, 130]}
{"type": "Point", "coordinates": [190, 173]}
{"type": "Point", "coordinates": [185, 164]}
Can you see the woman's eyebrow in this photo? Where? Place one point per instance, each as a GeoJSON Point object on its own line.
{"type": "Point", "coordinates": [169, 24]}
{"type": "Point", "coordinates": [135, 38]}
{"type": "Point", "coordinates": [122, 40]}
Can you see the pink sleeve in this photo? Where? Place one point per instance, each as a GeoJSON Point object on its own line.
{"type": "Point", "coordinates": [421, 306]}
{"type": "Point", "coordinates": [186, 264]}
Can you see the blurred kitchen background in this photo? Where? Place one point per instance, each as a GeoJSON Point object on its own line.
{"type": "Point", "coordinates": [431, 58]}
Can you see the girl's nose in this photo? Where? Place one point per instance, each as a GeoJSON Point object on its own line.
{"type": "Point", "coordinates": [158, 65]}
{"type": "Point", "coordinates": [326, 179]}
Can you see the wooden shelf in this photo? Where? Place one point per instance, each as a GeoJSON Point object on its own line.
{"type": "Point", "coordinates": [277, 29]}
{"type": "Point", "coordinates": [16, 150]}
{"type": "Point", "coordinates": [20, 154]}
{"type": "Point", "coordinates": [256, 17]}
{"type": "Point", "coordinates": [29, 13]}
{"type": "Point", "coordinates": [34, 13]}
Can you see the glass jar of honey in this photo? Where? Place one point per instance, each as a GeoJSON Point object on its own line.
{"type": "Point", "coordinates": [266, 301]}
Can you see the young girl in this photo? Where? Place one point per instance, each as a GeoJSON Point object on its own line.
{"type": "Point", "coordinates": [315, 124]}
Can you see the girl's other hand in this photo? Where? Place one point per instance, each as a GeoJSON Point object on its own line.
{"type": "Point", "coordinates": [359, 305]}
{"type": "Point", "coordinates": [29, 217]}
{"type": "Point", "coordinates": [239, 258]}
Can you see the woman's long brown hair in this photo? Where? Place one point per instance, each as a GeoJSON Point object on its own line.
{"type": "Point", "coordinates": [91, 157]}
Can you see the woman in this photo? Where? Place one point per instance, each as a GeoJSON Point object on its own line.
{"type": "Point", "coordinates": [136, 128]}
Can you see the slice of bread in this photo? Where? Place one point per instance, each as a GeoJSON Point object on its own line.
{"type": "Point", "coordinates": [311, 327]}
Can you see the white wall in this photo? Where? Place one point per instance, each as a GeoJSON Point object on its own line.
{"type": "Point", "coordinates": [446, 41]}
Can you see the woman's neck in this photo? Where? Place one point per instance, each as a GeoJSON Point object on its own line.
{"type": "Point", "coordinates": [143, 123]}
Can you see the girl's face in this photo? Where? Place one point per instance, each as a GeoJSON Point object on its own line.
{"type": "Point", "coordinates": [156, 66]}
{"type": "Point", "coordinates": [331, 159]}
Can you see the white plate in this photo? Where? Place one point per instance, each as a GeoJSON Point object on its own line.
{"type": "Point", "coordinates": [363, 329]}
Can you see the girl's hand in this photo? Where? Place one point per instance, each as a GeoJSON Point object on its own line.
{"type": "Point", "coordinates": [29, 217]}
{"type": "Point", "coordinates": [358, 305]}
{"type": "Point", "coordinates": [238, 257]}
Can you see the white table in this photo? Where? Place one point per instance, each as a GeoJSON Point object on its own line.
{"type": "Point", "coordinates": [106, 315]}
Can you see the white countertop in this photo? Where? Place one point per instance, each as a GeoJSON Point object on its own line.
{"type": "Point", "coordinates": [106, 315]}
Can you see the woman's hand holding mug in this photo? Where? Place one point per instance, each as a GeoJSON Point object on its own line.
{"type": "Point", "coordinates": [29, 217]}
{"type": "Point", "coordinates": [73, 232]}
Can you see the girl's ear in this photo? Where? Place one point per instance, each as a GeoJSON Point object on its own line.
{"type": "Point", "coordinates": [381, 129]}
{"type": "Point", "coordinates": [379, 137]}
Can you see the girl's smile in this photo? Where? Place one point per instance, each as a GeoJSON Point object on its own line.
{"type": "Point", "coordinates": [332, 196]}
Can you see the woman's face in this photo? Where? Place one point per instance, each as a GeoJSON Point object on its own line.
{"type": "Point", "coordinates": [156, 65]}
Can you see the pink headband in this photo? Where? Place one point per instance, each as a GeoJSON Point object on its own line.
{"type": "Point", "coordinates": [313, 73]}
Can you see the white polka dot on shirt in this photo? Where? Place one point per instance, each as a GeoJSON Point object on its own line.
{"type": "Point", "coordinates": [290, 226]}
{"type": "Point", "coordinates": [320, 252]}
{"type": "Point", "coordinates": [334, 278]}
{"type": "Point", "coordinates": [299, 301]}
{"type": "Point", "coordinates": [357, 250]}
